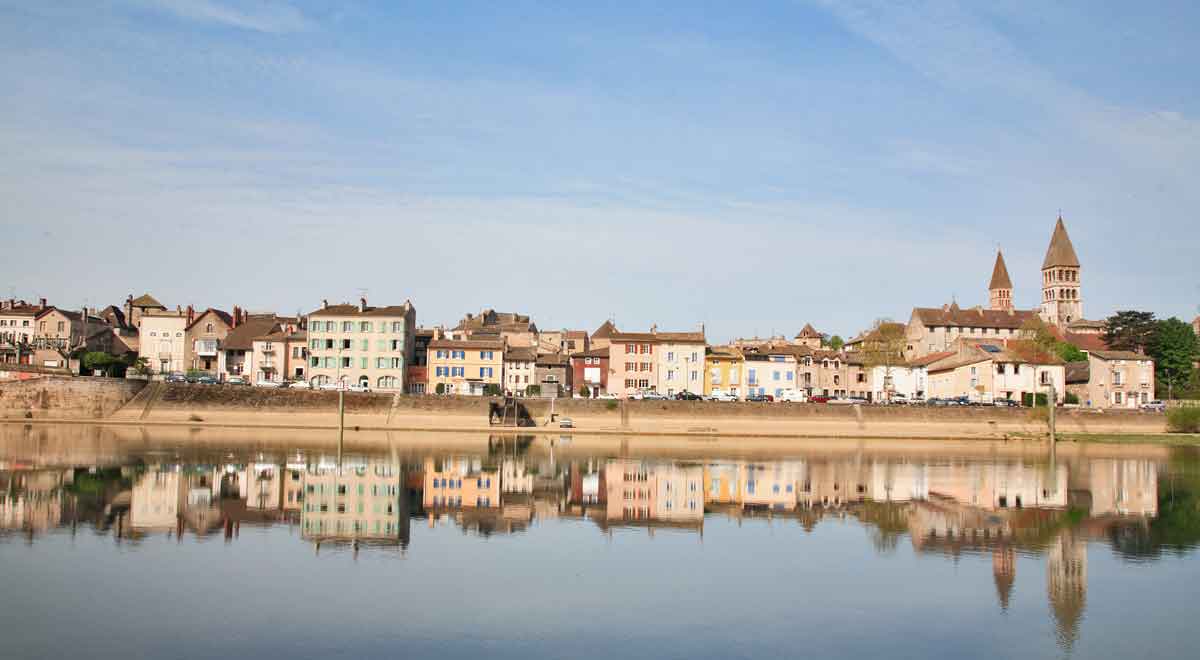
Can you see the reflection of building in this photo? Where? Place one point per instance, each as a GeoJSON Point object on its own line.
{"type": "Point", "coordinates": [1004, 571]}
{"type": "Point", "coordinates": [34, 502]}
{"type": "Point", "coordinates": [157, 500]}
{"type": "Point", "coordinates": [1122, 487]}
{"type": "Point", "coordinates": [455, 483]}
{"type": "Point", "coordinates": [647, 493]}
{"type": "Point", "coordinates": [997, 486]}
{"type": "Point", "coordinates": [365, 502]}
{"type": "Point", "coordinates": [1066, 585]}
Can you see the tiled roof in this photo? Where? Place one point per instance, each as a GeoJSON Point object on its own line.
{"type": "Point", "coordinates": [23, 310]}
{"type": "Point", "coordinates": [243, 336]}
{"type": "Point", "coordinates": [469, 344]}
{"type": "Point", "coordinates": [353, 310]}
{"type": "Point", "coordinates": [1078, 372]}
{"type": "Point", "coordinates": [1119, 355]}
{"type": "Point", "coordinates": [1060, 252]}
{"type": "Point", "coordinates": [682, 337]}
{"type": "Point", "coordinates": [146, 300]}
{"type": "Point", "coordinates": [808, 332]}
{"type": "Point", "coordinates": [551, 360]}
{"type": "Point", "coordinates": [595, 352]}
{"type": "Point", "coordinates": [606, 329]}
{"type": "Point", "coordinates": [927, 360]}
{"type": "Point", "coordinates": [1000, 278]}
{"type": "Point", "coordinates": [520, 354]}
{"type": "Point", "coordinates": [975, 317]}
{"type": "Point", "coordinates": [632, 336]}
{"type": "Point", "coordinates": [225, 317]}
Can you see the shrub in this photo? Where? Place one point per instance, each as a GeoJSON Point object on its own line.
{"type": "Point", "coordinates": [611, 405]}
{"type": "Point", "coordinates": [585, 391]}
{"type": "Point", "coordinates": [1184, 420]}
{"type": "Point", "coordinates": [440, 389]}
{"type": "Point", "coordinates": [533, 390]}
{"type": "Point", "coordinates": [1072, 398]}
{"type": "Point", "coordinates": [1027, 400]}
{"type": "Point", "coordinates": [492, 389]}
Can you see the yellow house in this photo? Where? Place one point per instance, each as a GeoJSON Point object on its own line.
{"type": "Point", "coordinates": [465, 366]}
{"type": "Point", "coordinates": [724, 371]}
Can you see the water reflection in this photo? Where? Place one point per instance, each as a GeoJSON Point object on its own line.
{"type": "Point", "coordinates": [1140, 504]}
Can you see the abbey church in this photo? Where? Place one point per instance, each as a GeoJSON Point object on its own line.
{"type": "Point", "coordinates": [935, 329]}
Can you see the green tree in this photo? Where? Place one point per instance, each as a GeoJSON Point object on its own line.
{"type": "Point", "coordinates": [440, 389]}
{"type": "Point", "coordinates": [533, 390]}
{"type": "Point", "coordinates": [492, 389]}
{"type": "Point", "coordinates": [585, 391]}
{"type": "Point", "coordinates": [99, 361]}
{"type": "Point", "coordinates": [1070, 353]}
{"type": "Point", "coordinates": [1129, 330]}
{"type": "Point", "coordinates": [835, 342]}
{"type": "Point", "coordinates": [1173, 347]}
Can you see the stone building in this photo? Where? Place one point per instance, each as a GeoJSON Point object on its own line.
{"type": "Point", "coordinates": [360, 344]}
{"type": "Point", "coordinates": [1062, 297]}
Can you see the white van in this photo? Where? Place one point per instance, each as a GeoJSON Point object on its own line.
{"type": "Point", "coordinates": [793, 396]}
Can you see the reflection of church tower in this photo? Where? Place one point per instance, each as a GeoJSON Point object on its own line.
{"type": "Point", "coordinates": [1066, 585]}
{"type": "Point", "coordinates": [1004, 570]}
{"type": "Point", "coordinates": [1062, 296]}
{"type": "Point", "coordinates": [1000, 288]}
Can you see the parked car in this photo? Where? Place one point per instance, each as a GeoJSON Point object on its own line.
{"type": "Point", "coordinates": [793, 396]}
{"type": "Point", "coordinates": [175, 378]}
{"type": "Point", "coordinates": [267, 383]}
{"type": "Point", "coordinates": [566, 423]}
{"type": "Point", "coordinates": [648, 395]}
{"type": "Point", "coordinates": [718, 395]}
{"type": "Point", "coordinates": [236, 380]}
{"type": "Point", "coordinates": [820, 398]}
{"type": "Point", "coordinates": [858, 400]}
{"type": "Point", "coordinates": [362, 387]}
{"type": "Point", "coordinates": [688, 396]}
{"type": "Point", "coordinates": [299, 385]}
{"type": "Point", "coordinates": [760, 398]}
{"type": "Point", "coordinates": [1005, 403]}
{"type": "Point", "coordinates": [331, 386]}
{"type": "Point", "coordinates": [1155, 406]}
{"type": "Point", "coordinates": [206, 380]}
{"type": "Point", "coordinates": [607, 396]}
{"type": "Point", "coordinates": [841, 401]}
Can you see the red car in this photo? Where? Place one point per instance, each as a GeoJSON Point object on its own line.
{"type": "Point", "coordinates": [819, 399]}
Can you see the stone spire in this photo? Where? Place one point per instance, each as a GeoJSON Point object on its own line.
{"type": "Point", "coordinates": [1060, 252]}
{"type": "Point", "coordinates": [1000, 288]}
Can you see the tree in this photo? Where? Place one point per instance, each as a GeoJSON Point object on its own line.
{"type": "Point", "coordinates": [1129, 330]}
{"type": "Point", "coordinates": [440, 389]}
{"type": "Point", "coordinates": [1036, 332]}
{"type": "Point", "coordinates": [1173, 347]}
{"type": "Point", "coordinates": [99, 361]}
{"type": "Point", "coordinates": [492, 389]}
{"type": "Point", "coordinates": [835, 342]}
{"type": "Point", "coordinates": [883, 348]}
{"type": "Point", "coordinates": [533, 390]}
{"type": "Point", "coordinates": [140, 365]}
{"type": "Point", "coordinates": [585, 391]}
{"type": "Point", "coordinates": [1070, 353]}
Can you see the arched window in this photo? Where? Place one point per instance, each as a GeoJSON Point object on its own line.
{"type": "Point", "coordinates": [388, 382]}
{"type": "Point", "coordinates": [320, 380]}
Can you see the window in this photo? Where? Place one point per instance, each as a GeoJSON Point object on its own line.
{"type": "Point", "coordinates": [316, 362]}
{"type": "Point", "coordinates": [670, 354]}
{"type": "Point", "coordinates": [364, 326]}
{"type": "Point", "coordinates": [716, 376]}
{"type": "Point", "coordinates": [346, 344]}
{"type": "Point", "coordinates": [630, 349]}
{"type": "Point", "coordinates": [347, 326]}
{"type": "Point", "coordinates": [62, 326]}
{"type": "Point", "coordinates": [775, 375]}
{"type": "Point", "coordinates": [485, 355]}
{"type": "Point", "coordinates": [1118, 377]}
{"type": "Point", "coordinates": [752, 378]}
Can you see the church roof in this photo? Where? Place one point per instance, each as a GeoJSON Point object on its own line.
{"type": "Point", "coordinates": [808, 332]}
{"type": "Point", "coordinates": [1000, 278]}
{"type": "Point", "coordinates": [1060, 252]}
{"type": "Point", "coordinates": [606, 329]}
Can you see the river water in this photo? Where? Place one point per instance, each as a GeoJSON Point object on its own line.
{"type": "Point", "coordinates": [532, 547]}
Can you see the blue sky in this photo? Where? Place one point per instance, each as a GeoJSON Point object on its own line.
{"type": "Point", "coordinates": [752, 168]}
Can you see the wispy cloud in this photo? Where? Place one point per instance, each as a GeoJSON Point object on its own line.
{"type": "Point", "coordinates": [258, 15]}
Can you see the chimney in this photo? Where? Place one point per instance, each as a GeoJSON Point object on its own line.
{"type": "Point", "coordinates": [237, 315]}
{"type": "Point", "coordinates": [325, 304]}
{"type": "Point", "coordinates": [654, 328]}
{"type": "Point", "coordinates": [702, 330]}
{"type": "Point", "coordinates": [191, 314]}
{"type": "Point", "coordinates": [362, 304]}
{"type": "Point", "coordinates": [42, 303]}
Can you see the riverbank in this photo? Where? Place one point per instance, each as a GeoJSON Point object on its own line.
{"type": "Point", "coordinates": [197, 406]}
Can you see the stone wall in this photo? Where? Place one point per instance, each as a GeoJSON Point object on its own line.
{"type": "Point", "coordinates": [66, 397]}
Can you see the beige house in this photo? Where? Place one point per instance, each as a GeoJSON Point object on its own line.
{"type": "Point", "coordinates": [936, 329]}
{"type": "Point", "coordinates": [204, 335]}
{"type": "Point", "coordinates": [17, 329]}
{"type": "Point", "coordinates": [161, 341]}
{"type": "Point", "coordinates": [136, 308]}
{"type": "Point", "coordinates": [237, 351]}
{"type": "Point", "coordinates": [458, 483]}
{"type": "Point", "coordinates": [1118, 379]}
{"type": "Point", "coordinates": [680, 360]}
{"type": "Point", "coordinates": [361, 345]}
{"type": "Point", "coordinates": [466, 366]}
{"type": "Point", "coordinates": [601, 338]}
{"type": "Point", "coordinates": [519, 368]}
{"type": "Point", "coordinates": [808, 337]}
{"type": "Point", "coordinates": [281, 355]}
{"type": "Point", "coordinates": [986, 372]}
